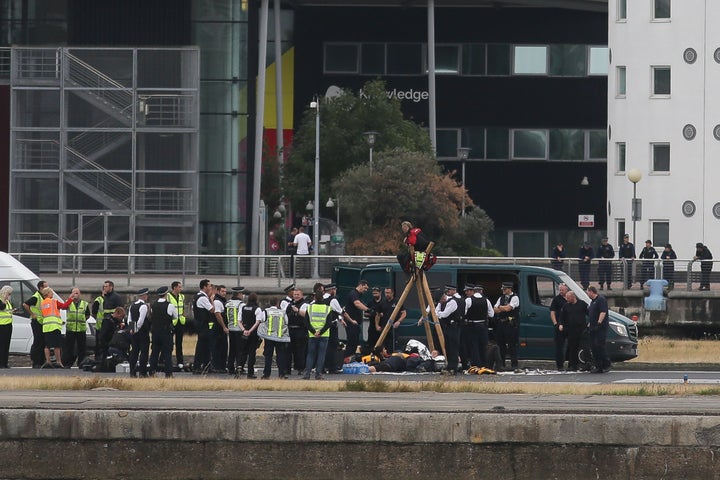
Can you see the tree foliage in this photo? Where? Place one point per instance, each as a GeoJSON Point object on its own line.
{"type": "Point", "coordinates": [406, 181]}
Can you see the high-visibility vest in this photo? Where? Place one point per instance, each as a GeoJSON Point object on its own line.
{"type": "Point", "coordinates": [275, 326]}
{"type": "Point", "coordinates": [51, 315]}
{"type": "Point", "coordinates": [6, 315]}
{"type": "Point", "coordinates": [179, 306]}
{"type": "Point", "coordinates": [100, 313]}
{"type": "Point", "coordinates": [232, 309]}
{"type": "Point", "coordinates": [76, 321]}
{"type": "Point", "coordinates": [318, 314]}
{"type": "Point", "coordinates": [35, 309]}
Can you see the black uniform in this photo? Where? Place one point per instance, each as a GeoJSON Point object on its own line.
{"type": "Point", "coordinates": [297, 349]}
{"type": "Point", "coordinates": [451, 331]}
{"type": "Point", "coordinates": [703, 254]}
{"type": "Point", "coordinates": [627, 251]}
{"type": "Point", "coordinates": [605, 251]}
{"type": "Point", "coordinates": [648, 267]}
{"type": "Point", "coordinates": [475, 330]}
{"type": "Point", "coordinates": [507, 331]}
{"type": "Point", "coordinates": [203, 317]}
{"type": "Point", "coordinates": [249, 343]}
{"type": "Point", "coordinates": [585, 255]}
{"type": "Point", "coordinates": [668, 255]}
{"type": "Point", "coordinates": [161, 326]}
{"type": "Point", "coordinates": [574, 321]}
{"type": "Point", "coordinates": [560, 335]}
{"type": "Point", "coordinates": [139, 351]}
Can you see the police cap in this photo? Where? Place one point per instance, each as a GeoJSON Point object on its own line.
{"type": "Point", "coordinates": [507, 285]}
{"type": "Point", "coordinates": [161, 291]}
{"type": "Point", "coordinates": [289, 288]}
{"type": "Point", "coordinates": [468, 287]}
{"type": "Point", "coordinates": [143, 291]}
{"type": "Point", "coordinates": [237, 289]}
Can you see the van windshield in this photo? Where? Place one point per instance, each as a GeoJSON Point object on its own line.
{"type": "Point", "coordinates": [576, 289]}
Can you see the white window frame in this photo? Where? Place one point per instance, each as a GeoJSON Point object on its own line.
{"type": "Point", "coordinates": [653, 69]}
{"type": "Point", "coordinates": [621, 80]}
{"type": "Point", "coordinates": [618, 155]}
{"type": "Point", "coordinates": [657, 243]}
{"type": "Point", "coordinates": [588, 158]}
{"type": "Point", "coordinates": [620, 4]}
{"type": "Point", "coordinates": [652, 158]}
{"type": "Point", "coordinates": [660, 20]}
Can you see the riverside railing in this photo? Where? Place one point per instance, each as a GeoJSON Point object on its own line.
{"type": "Point", "coordinates": [284, 267]}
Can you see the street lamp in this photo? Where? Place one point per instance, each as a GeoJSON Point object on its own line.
{"type": "Point", "coordinates": [331, 203]}
{"type": "Point", "coordinates": [463, 153]}
{"type": "Point", "coordinates": [370, 137]}
{"type": "Point", "coordinates": [316, 214]}
{"type": "Point", "coordinates": [635, 175]}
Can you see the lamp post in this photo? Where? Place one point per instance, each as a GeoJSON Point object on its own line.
{"type": "Point", "coordinates": [463, 153]}
{"type": "Point", "coordinates": [370, 137]}
{"type": "Point", "coordinates": [635, 175]}
{"type": "Point", "coordinates": [332, 202]}
{"type": "Point", "coordinates": [316, 214]}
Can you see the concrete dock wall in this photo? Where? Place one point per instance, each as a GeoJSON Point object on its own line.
{"type": "Point", "coordinates": [119, 444]}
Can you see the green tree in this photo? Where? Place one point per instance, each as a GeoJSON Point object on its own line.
{"type": "Point", "coordinates": [343, 119]}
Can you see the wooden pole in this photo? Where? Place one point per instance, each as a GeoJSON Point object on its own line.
{"type": "Point", "coordinates": [436, 321]}
{"type": "Point", "coordinates": [395, 312]}
{"type": "Point", "coordinates": [426, 324]}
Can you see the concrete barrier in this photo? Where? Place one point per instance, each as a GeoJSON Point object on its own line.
{"type": "Point", "coordinates": [118, 444]}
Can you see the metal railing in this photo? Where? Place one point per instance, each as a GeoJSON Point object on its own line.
{"type": "Point", "coordinates": [282, 267]}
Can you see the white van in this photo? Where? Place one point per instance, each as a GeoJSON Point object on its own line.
{"type": "Point", "coordinates": [24, 284]}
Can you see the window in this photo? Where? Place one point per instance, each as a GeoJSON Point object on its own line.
{"type": "Point", "coordinates": [568, 60]}
{"type": "Point", "coordinates": [447, 59]}
{"type": "Point", "coordinates": [661, 81]}
{"type": "Point", "coordinates": [473, 59]}
{"type": "Point", "coordinates": [498, 59]}
{"type": "Point", "coordinates": [447, 142]}
{"type": "Point", "coordinates": [542, 290]}
{"type": "Point", "coordinates": [621, 81]}
{"type": "Point", "coordinates": [661, 10]}
{"type": "Point", "coordinates": [567, 144]}
{"type": "Point", "coordinates": [660, 233]}
{"type": "Point", "coordinates": [661, 157]}
{"type": "Point", "coordinates": [341, 58]}
{"type": "Point", "coordinates": [597, 145]}
{"type": "Point", "coordinates": [620, 152]}
{"type": "Point", "coordinates": [372, 60]}
{"type": "Point", "coordinates": [498, 141]}
{"type": "Point", "coordinates": [404, 59]}
{"type": "Point", "coordinates": [620, 230]}
{"type": "Point", "coordinates": [622, 10]}
{"type": "Point", "coordinates": [474, 139]}
{"type": "Point", "coordinates": [599, 61]}
{"type": "Point", "coordinates": [530, 60]}
{"type": "Point", "coordinates": [529, 144]}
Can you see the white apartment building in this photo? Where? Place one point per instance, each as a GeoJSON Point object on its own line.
{"type": "Point", "coordinates": [664, 120]}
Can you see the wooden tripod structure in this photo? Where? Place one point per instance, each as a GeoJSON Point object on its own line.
{"type": "Point", "coordinates": [419, 281]}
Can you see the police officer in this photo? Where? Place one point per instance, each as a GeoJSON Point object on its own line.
{"type": "Point", "coordinates": [297, 350]}
{"type": "Point", "coordinates": [103, 308]}
{"type": "Point", "coordinates": [507, 331]}
{"type": "Point", "coordinates": [478, 310]}
{"type": "Point", "coordinates": [177, 298]}
{"type": "Point", "coordinates": [139, 322]}
{"type": "Point", "coordinates": [605, 253]}
{"type": "Point", "coordinates": [233, 308]}
{"type": "Point", "coordinates": [626, 250]}
{"type": "Point", "coordinates": [163, 319]}
{"type": "Point", "coordinates": [449, 312]}
{"type": "Point", "coordinates": [332, 363]}
{"type": "Point", "coordinates": [648, 268]}
{"type": "Point", "coordinates": [250, 316]}
{"type": "Point", "coordinates": [204, 314]}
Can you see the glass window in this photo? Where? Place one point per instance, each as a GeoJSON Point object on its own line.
{"type": "Point", "coordinates": [473, 59]}
{"type": "Point", "coordinates": [599, 61]}
{"type": "Point", "coordinates": [620, 149]}
{"type": "Point", "coordinates": [530, 60]}
{"type": "Point", "coordinates": [661, 157]}
{"type": "Point", "coordinates": [622, 10]}
{"type": "Point", "coordinates": [498, 143]}
{"type": "Point", "coordinates": [372, 58]}
{"type": "Point", "coordinates": [661, 80]}
{"type": "Point", "coordinates": [660, 232]}
{"type": "Point", "coordinates": [404, 59]}
{"type": "Point", "coordinates": [597, 145]}
{"type": "Point", "coordinates": [620, 231]}
{"type": "Point", "coordinates": [447, 59]}
{"type": "Point", "coordinates": [661, 9]}
{"type": "Point", "coordinates": [498, 59]}
{"type": "Point", "coordinates": [341, 58]}
{"type": "Point", "coordinates": [567, 144]}
{"type": "Point", "coordinates": [474, 139]}
{"type": "Point", "coordinates": [530, 144]}
{"type": "Point", "coordinates": [568, 60]}
{"type": "Point", "coordinates": [621, 81]}
{"type": "Point", "coordinates": [447, 142]}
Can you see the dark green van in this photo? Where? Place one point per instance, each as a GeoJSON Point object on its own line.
{"type": "Point", "coordinates": [536, 287]}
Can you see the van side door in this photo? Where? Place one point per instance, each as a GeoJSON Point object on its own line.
{"type": "Point", "coordinates": [536, 329]}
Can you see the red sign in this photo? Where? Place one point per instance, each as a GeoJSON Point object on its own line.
{"type": "Point", "coordinates": [586, 221]}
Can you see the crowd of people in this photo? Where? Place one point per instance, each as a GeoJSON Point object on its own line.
{"type": "Point", "coordinates": [626, 251]}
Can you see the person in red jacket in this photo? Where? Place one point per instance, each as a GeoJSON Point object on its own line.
{"type": "Point", "coordinates": [417, 243]}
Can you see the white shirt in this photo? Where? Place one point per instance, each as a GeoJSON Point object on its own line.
{"type": "Point", "coordinates": [143, 313]}
{"type": "Point", "coordinates": [302, 242]}
{"type": "Point", "coordinates": [171, 310]}
{"type": "Point", "coordinates": [468, 304]}
{"type": "Point", "coordinates": [514, 301]}
{"type": "Point", "coordinates": [449, 308]}
{"type": "Point", "coordinates": [204, 302]}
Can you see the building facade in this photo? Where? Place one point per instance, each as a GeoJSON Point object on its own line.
{"type": "Point", "coordinates": [664, 121]}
